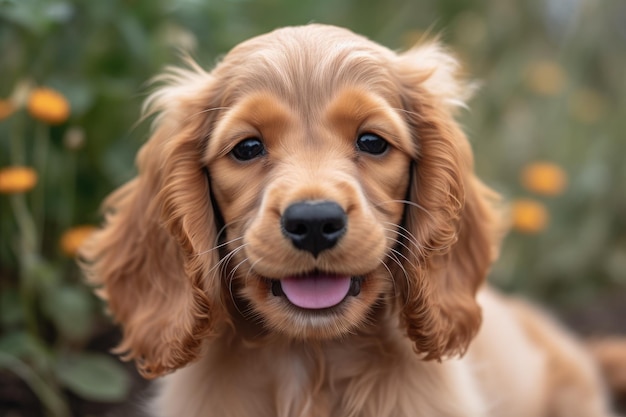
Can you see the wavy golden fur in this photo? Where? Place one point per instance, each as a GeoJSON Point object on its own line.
{"type": "Point", "coordinates": [196, 253]}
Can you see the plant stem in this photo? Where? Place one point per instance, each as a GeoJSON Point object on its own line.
{"type": "Point", "coordinates": [17, 141]}
{"type": "Point", "coordinates": [49, 395]}
{"type": "Point", "coordinates": [28, 259]}
{"type": "Point", "coordinates": [66, 217]}
{"type": "Point", "coordinates": [42, 145]}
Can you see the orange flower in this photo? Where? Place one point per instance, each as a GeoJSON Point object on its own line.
{"type": "Point", "coordinates": [74, 237]}
{"type": "Point", "coordinates": [49, 106]}
{"type": "Point", "coordinates": [6, 109]}
{"type": "Point", "coordinates": [17, 179]}
{"type": "Point", "coordinates": [544, 178]}
{"type": "Point", "coordinates": [529, 216]}
{"type": "Point", "coordinates": [546, 78]}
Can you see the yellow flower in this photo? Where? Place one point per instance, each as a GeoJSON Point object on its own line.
{"type": "Point", "coordinates": [74, 237]}
{"type": "Point", "coordinates": [529, 216]}
{"type": "Point", "coordinates": [48, 106]}
{"type": "Point", "coordinates": [17, 179]}
{"type": "Point", "coordinates": [544, 178]}
{"type": "Point", "coordinates": [546, 78]}
{"type": "Point", "coordinates": [6, 109]}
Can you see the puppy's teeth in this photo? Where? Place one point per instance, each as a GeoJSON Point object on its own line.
{"type": "Point", "coordinates": [277, 289]}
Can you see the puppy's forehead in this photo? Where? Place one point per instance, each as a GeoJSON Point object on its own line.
{"type": "Point", "coordinates": [306, 65]}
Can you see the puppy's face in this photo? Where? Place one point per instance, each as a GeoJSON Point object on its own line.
{"type": "Point", "coordinates": [311, 197]}
{"type": "Point", "coordinates": [342, 182]}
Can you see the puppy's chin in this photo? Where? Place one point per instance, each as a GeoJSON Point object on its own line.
{"type": "Point", "coordinates": [338, 308]}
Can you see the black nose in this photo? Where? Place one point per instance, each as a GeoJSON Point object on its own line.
{"type": "Point", "coordinates": [314, 226]}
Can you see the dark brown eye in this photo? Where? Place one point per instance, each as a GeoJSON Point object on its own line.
{"type": "Point", "coordinates": [248, 149]}
{"type": "Point", "coordinates": [371, 143]}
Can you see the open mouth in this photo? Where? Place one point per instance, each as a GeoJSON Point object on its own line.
{"type": "Point", "coordinates": [317, 290]}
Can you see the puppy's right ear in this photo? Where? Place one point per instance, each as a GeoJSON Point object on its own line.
{"type": "Point", "coordinates": [453, 220]}
{"type": "Point", "coordinates": [153, 260]}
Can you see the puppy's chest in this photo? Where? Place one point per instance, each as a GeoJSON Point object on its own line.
{"type": "Point", "coordinates": [308, 382]}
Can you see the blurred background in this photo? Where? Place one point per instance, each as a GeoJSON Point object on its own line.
{"type": "Point", "coordinates": [547, 126]}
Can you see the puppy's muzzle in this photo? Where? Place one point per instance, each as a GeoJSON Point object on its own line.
{"type": "Point", "coordinates": [314, 226]}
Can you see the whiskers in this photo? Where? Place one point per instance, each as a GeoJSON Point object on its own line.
{"type": "Point", "coordinates": [218, 235]}
{"type": "Point", "coordinates": [405, 250]}
{"type": "Point", "coordinates": [227, 251]}
{"type": "Point", "coordinates": [217, 247]}
{"type": "Point", "coordinates": [408, 203]}
{"type": "Point", "coordinates": [410, 237]}
{"type": "Point", "coordinates": [395, 255]}
{"type": "Point", "coordinates": [223, 265]}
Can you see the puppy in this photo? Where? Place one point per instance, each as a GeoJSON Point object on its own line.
{"type": "Point", "coordinates": [306, 237]}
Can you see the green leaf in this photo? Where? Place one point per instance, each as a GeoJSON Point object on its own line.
{"type": "Point", "coordinates": [94, 377]}
{"type": "Point", "coordinates": [71, 310]}
{"type": "Point", "coordinates": [11, 310]}
{"type": "Point", "coordinates": [43, 274]}
{"type": "Point", "coordinates": [36, 16]}
{"type": "Point", "coordinates": [24, 346]}
{"type": "Point", "coordinates": [78, 91]}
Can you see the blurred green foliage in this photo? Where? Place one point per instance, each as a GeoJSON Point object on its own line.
{"type": "Point", "coordinates": [552, 89]}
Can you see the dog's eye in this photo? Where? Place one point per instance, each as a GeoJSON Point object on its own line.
{"type": "Point", "coordinates": [371, 143]}
{"type": "Point", "coordinates": [248, 149]}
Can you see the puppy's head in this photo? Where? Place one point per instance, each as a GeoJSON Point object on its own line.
{"type": "Point", "coordinates": [311, 176]}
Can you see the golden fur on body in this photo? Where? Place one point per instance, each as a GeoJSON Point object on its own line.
{"type": "Point", "coordinates": [192, 246]}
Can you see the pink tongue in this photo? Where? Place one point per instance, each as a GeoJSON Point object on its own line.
{"type": "Point", "coordinates": [316, 291]}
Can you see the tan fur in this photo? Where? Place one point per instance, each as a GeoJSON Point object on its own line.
{"type": "Point", "coordinates": [189, 247]}
{"type": "Point", "coordinates": [611, 354]}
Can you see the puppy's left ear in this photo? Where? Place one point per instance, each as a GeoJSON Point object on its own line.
{"type": "Point", "coordinates": [154, 258]}
{"type": "Point", "coordinates": [452, 224]}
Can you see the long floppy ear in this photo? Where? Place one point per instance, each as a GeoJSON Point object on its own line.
{"type": "Point", "coordinates": [152, 259]}
{"type": "Point", "coordinates": [452, 223]}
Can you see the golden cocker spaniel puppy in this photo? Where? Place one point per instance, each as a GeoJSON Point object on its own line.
{"type": "Point", "coordinates": [306, 237]}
